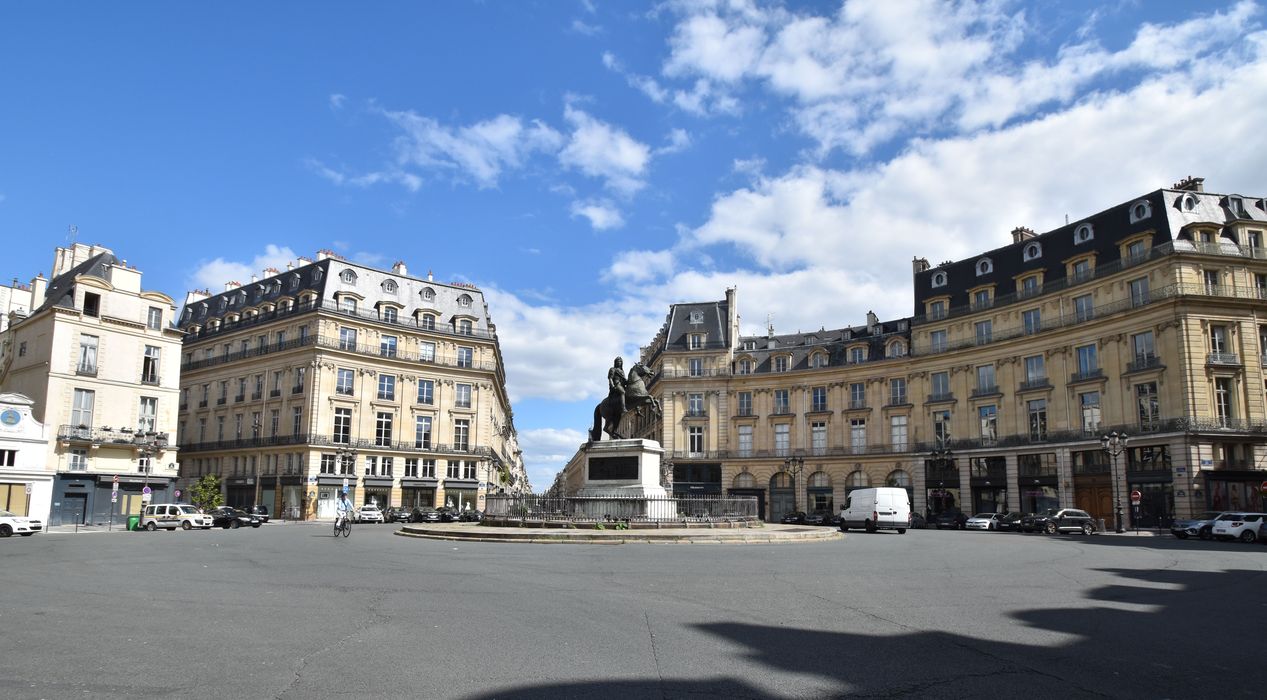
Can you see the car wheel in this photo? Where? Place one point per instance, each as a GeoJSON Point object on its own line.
{"type": "Point", "coordinates": [901, 531]}
{"type": "Point", "coordinates": [151, 526]}
{"type": "Point", "coordinates": [868, 526]}
{"type": "Point", "coordinates": [255, 524]}
{"type": "Point", "coordinates": [26, 534]}
{"type": "Point", "coordinates": [1206, 533]}
{"type": "Point", "coordinates": [235, 525]}
{"type": "Point", "coordinates": [5, 531]}
{"type": "Point", "coordinates": [1051, 528]}
{"type": "Point", "coordinates": [1248, 536]}
{"type": "Point", "coordinates": [1087, 529]}
{"type": "Point", "coordinates": [184, 525]}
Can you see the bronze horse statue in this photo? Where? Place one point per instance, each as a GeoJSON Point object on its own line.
{"type": "Point", "coordinates": [607, 414]}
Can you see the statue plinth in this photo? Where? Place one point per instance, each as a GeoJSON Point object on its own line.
{"type": "Point", "coordinates": [623, 469]}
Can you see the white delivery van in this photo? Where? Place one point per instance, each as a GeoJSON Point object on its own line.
{"type": "Point", "coordinates": [876, 509]}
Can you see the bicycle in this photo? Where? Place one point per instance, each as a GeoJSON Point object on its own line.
{"type": "Point", "coordinates": [343, 525]}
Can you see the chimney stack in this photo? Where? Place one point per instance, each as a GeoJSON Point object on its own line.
{"type": "Point", "coordinates": [1191, 184]}
{"type": "Point", "coordinates": [399, 268]}
{"type": "Point", "coordinates": [1022, 233]}
{"type": "Point", "coordinates": [231, 285]}
{"type": "Point", "coordinates": [919, 265]}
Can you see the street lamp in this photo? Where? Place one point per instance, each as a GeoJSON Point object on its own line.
{"type": "Point", "coordinates": [1114, 444]}
{"type": "Point", "coordinates": [793, 466]}
{"type": "Point", "coordinates": [942, 457]}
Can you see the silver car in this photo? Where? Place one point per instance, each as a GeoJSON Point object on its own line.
{"type": "Point", "coordinates": [1199, 526]}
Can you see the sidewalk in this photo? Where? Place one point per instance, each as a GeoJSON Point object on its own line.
{"type": "Point", "coordinates": [769, 534]}
{"type": "Point", "coordinates": [122, 527]}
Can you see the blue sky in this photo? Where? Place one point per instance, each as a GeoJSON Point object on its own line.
{"type": "Point", "coordinates": [589, 163]}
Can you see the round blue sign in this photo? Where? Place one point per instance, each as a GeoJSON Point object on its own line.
{"type": "Point", "coordinates": [10, 417]}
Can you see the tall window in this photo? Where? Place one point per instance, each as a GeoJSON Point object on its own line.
{"type": "Point", "coordinates": [422, 432]}
{"type": "Point", "coordinates": [147, 414]}
{"type": "Point", "coordinates": [981, 299]}
{"type": "Point", "coordinates": [387, 387]}
{"type": "Point", "coordinates": [411, 467]}
{"type": "Point", "coordinates": [745, 403]}
{"type": "Point", "coordinates": [342, 425]}
{"type": "Point", "coordinates": [745, 441]}
{"type": "Point", "coordinates": [87, 354]}
{"type": "Point", "coordinates": [343, 381]}
{"type": "Point", "coordinates": [389, 314]}
{"type": "Point", "coordinates": [427, 351]}
{"type": "Point", "coordinates": [426, 391]}
{"type": "Point", "coordinates": [347, 339]}
{"type": "Point", "coordinates": [149, 365]}
{"type": "Point", "coordinates": [1032, 319]}
{"type": "Point", "coordinates": [1143, 346]}
{"type": "Point", "coordinates": [988, 417]}
{"type": "Point", "coordinates": [780, 363]}
{"type": "Point", "coordinates": [858, 435]}
{"type": "Point", "coordinates": [1149, 408]}
{"type": "Point", "coordinates": [347, 465]}
{"type": "Point", "coordinates": [985, 379]}
{"type": "Point", "coordinates": [81, 409]}
{"type": "Point", "coordinates": [461, 434]}
{"type": "Point", "coordinates": [1088, 361]}
{"type": "Point", "coordinates": [465, 327]}
{"type": "Point", "coordinates": [1089, 404]}
{"type": "Point", "coordinates": [427, 322]}
{"type": "Point", "coordinates": [1081, 270]}
{"type": "Point", "coordinates": [1029, 286]}
{"type": "Point", "coordinates": [462, 395]}
{"type": "Point", "coordinates": [466, 357]}
{"type": "Point", "coordinates": [78, 461]}
{"type": "Point", "coordinates": [154, 319]}
{"type": "Point", "coordinates": [387, 345]}
{"type": "Point", "coordinates": [1139, 291]}
{"type": "Point", "coordinates": [1037, 410]}
{"type": "Point", "coordinates": [694, 404]}
{"type": "Point", "coordinates": [857, 354]}
{"type": "Point", "coordinates": [387, 464]}
{"type": "Point", "coordinates": [936, 310]}
{"type": "Point", "coordinates": [897, 391]}
{"type": "Point", "coordinates": [275, 421]}
{"type": "Point", "coordinates": [940, 382]}
{"type": "Point", "coordinates": [297, 420]}
{"type": "Point", "coordinates": [941, 428]}
{"type": "Point", "coordinates": [897, 432]}
{"type": "Point", "coordinates": [695, 367]}
{"type": "Point", "coordinates": [1035, 370]}
{"type": "Point", "coordinates": [697, 341]}
{"type": "Point", "coordinates": [371, 465]}
{"type": "Point", "coordinates": [383, 429]}
{"type": "Point", "coordinates": [695, 438]}
{"type": "Point", "coordinates": [781, 404]}
{"type": "Point", "coordinates": [1211, 278]}
{"type": "Point", "coordinates": [1223, 400]}
{"type": "Point", "coordinates": [744, 367]}
{"type": "Point", "coordinates": [1083, 308]}
{"type": "Point", "coordinates": [984, 331]}
{"type": "Point", "coordinates": [1218, 339]}
{"type": "Point", "coordinates": [327, 464]}
{"type": "Point", "coordinates": [299, 380]}
{"type": "Point", "coordinates": [818, 398]}
{"type": "Point", "coordinates": [857, 395]}
{"type": "Point", "coordinates": [782, 439]}
{"type": "Point", "coordinates": [937, 341]}
{"type": "Point", "coordinates": [347, 305]}
{"type": "Point", "coordinates": [818, 437]}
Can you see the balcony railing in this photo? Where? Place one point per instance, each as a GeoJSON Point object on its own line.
{"type": "Point", "coordinates": [988, 390]}
{"type": "Point", "coordinates": [745, 412]}
{"type": "Point", "coordinates": [110, 436]}
{"type": "Point", "coordinates": [246, 443]}
{"type": "Point", "coordinates": [86, 370]}
{"type": "Point", "coordinates": [940, 397]}
{"type": "Point", "coordinates": [1087, 375]}
{"type": "Point", "coordinates": [1143, 362]}
{"type": "Point", "coordinates": [257, 395]}
{"type": "Point", "coordinates": [857, 404]}
{"type": "Point", "coordinates": [1033, 384]}
{"type": "Point", "coordinates": [696, 413]}
{"type": "Point", "coordinates": [1223, 358]}
{"type": "Point", "coordinates": [274, 393]}
{"type": "Point", "coordinates": [222, 401]}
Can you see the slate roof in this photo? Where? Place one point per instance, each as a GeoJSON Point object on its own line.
{"type": "Point", "coordinates": [61, 289]}
{"type": "Point", "coordinates": [836, 342]}
{"type": "Point", "coordinates": [714, 324]}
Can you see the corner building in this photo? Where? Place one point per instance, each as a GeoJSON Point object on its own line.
{"type": "Point", "coordinates": [1148, 318]}
{"type": "Point", "coordinates": [334, 374]}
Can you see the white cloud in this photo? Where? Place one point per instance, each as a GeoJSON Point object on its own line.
{"type": "Point", "coordinates": [547, 451]}
{"type": "Point", "coordinates": [213, 274]}
{"type": "Point", "coordinates": [479, 151]}
{"type": "Point", "coordinates": [337, 101]}
{"type": "Point", "coordinates": [678, 141]}
{"type": "Point", "coordinates": [640, 266]}
{"type": "Point", "coordinates": [718, 49]}
{"type": "Point", "coordinates": [601, 150]}
{"type": "Point", "coordinates": [405, 179]}
{"type": "Point", "coordinates": [586, 29]}
{"type": "Point", "coordinates": [602, 214]}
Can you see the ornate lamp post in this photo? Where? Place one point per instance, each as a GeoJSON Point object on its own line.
{"type": "Point", "coordinates": [793, 466]}
{"type": "Point", "coordinates": [942, 457]}
{"type": "Point", "coordinates": [1114, 444]}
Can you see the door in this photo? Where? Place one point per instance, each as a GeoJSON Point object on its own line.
{"type": "Point", "coordinates": [1095, 498]}
{"type": "Point", "coordinates": [72, 509]}
{"type": "Point", "coordinates": [781, 503]}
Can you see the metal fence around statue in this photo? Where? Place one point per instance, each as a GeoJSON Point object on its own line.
{"type": "Point", "coordinates": [569, 510]}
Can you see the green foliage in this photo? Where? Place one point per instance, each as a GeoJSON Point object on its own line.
{"type": "Point", "coordinates": [599, 526]}
{"type": "Point", "coordinates": [205, 493]}
{"type": "Point", "coordinates": [622, 525]}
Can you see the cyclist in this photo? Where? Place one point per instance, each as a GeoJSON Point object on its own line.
{"type": "Point", "coordinates": [342, 509]}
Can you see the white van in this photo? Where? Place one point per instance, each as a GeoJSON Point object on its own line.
{"type": "Point", "coordinates": [172, 516]}
{"type": "Point", "coordinates": [876, 509]}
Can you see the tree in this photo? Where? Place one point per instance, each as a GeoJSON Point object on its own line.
{"type": "Point", "coordinates": [205, 493]}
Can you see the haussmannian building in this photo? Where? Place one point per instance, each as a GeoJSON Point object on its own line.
{"type": "Point", "coordinates": [1148, 318]}
{"type": "Point", "coordinates": [332, 374]}
{"type": "Point", "coordinates": [96, 355]}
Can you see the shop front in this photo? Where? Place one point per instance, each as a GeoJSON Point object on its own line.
{"type": "Point", "coordinates": [782, 496]}
{"type": "Point", "coordinates": [239, 491]}
{"type": "Point", "coordinates": [418, 493]}
{"type": "Point", "coordinates": [1037, 482]}
{"type": "Point", "coordinates": [461, 494]}
{"type": "Point", "coordinates": [941, 481]}
{"type": "Point", "coordinates": [697, 479]}
{"type": "Point", "coordinates": [377, 491]}
{"type": "Point", "coordinates": [1150, 472]}
{"type": "Point", "coordinates": [988, 476]}
{"type": "Point", "coordinates": [818, 492]}
{"type": "Point", "coordinates": [1236, 490]}
{"type": "Point", "coordinates": [745, 484]}
{"type": "Point", "coordinates": [329, 487]}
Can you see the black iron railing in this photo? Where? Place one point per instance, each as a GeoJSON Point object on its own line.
{"type": "Point", "coordinates": [531, 508]}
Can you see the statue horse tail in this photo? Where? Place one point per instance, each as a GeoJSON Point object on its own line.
{"type": "Point", "coordinates": [596, 433]}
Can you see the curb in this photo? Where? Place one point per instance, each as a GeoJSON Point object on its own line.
{"type": "Point", "coordinates": [518, 536]}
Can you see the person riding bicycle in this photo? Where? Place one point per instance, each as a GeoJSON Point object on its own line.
{"type": "Point", "coordinates": [342, 510]}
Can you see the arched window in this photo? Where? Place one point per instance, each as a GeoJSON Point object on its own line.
{"type": "Point", "coordinates": [781, 480]}
{"type": "Point", "coordinates": [857, 479]}
{"type": "Point", "coordinates": [348, 276]}
{"type": "Point", "coordinates": [1083, 233]}
{"type": "Point", "coordinates": [464, 301]}
{"type": "Point", "coordinates": [389, 286]}
{"type": "Point", "coordinates": [744, 480]}
{"type": "Point", "coordinates": [898, 479]}
{"type": "Point", "coordinates": [1033, 251]}
{"type": "Point", "coordinates": [897, 349]}
{"type": "Point", "coordinates": [818, 359]}
{"type": "Point", "coordinates": [427, 294]}
{"type": "Point", "coordinates": [984, 266]}
{"type": "Point", "coordinates": [819, 480]}
{"type": "Point", "coordinates": [939, 279]}
{"type": "Point", "coordinates": [1141, 210]}
{"type": "Point", "coordinates": [1189, 202]}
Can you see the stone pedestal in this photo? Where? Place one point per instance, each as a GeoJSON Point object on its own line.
{"type": "Point", "coordinates": [624, 469]}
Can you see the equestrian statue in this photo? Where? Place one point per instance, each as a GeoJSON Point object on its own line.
{"type": "Point", "coordinates": [624, 395]}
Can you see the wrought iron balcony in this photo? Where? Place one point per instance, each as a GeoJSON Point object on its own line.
{"type": "Point", "coordinates": [1223, 358]}
{"type": "Point", "coordinates": [1034, 384]}
{"type": "Point", "coordinates": [110, 436]}
{"type": "Point", "coordinates": [988, 390]}
{"type": "Point", "coordinates": [939, 398]}
{"type": "Point", "coordinates": [1143, 362]}
{"type": "Point", "coordinates": [857, 404]}
{"type": "Point", "coordinates": [1087, 375]}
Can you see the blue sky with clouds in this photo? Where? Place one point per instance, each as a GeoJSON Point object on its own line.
{"type": "Point", "coordinates": [588, 163]}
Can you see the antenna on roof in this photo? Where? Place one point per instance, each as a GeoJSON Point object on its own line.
{"type": "Point", "coordinates": [1066, 219]}
{"type": "Point", "coordinates": [72, 232]}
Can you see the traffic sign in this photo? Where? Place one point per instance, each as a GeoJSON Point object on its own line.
{"type": "Point", "coordinates": [114, 496]}
{"type": "Point", "coordinates": [1263, 488]}
{"type": "Point", "coordinates": [145, 497]}
{"type": "Point", "coordinates": [28, 489]}
{"type": "Point", "coordinates": [146, 491]}
{"type": "Point", "coordinates": [116, 478]}
{"type": "Point", "coordinates": [1136, 497]}
{"type": "Point", "coordinates": [177, 493]}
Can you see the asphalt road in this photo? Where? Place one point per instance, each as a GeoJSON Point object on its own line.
{"type": "Point", "coordinates": [287, 611]}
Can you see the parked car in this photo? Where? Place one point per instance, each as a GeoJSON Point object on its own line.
{"type": "Point", "coordinates": [1238, 526]}
{"type": "Point", "coordinates": [369, 513]}
{"type": "Point", "coordinates": [950, 520]}
{"type": "Point", "coordinates": [1009, 522]}
{"type": "Point", "coordinates": [11, 523]}
{"type": "Point", "coordinates": [983, 521]}
{"type": "Point", "coordinates": [424, 515]}
{"type": "Point", "coordinates": [449, 515]}
{"type": "Point", "coordinates": [882, 508]}
{"type": "Point", "coordinates": [471, 516]}
{"type": "Point", "coordinates": [918, 521]}
{"type": "Point", "coordinates": [259, 510]}
{"type": "Point", "coordinates": [397, 515]}
{"type": "Point", "coordinates": [1262, 532]}
{"type": "Point", "coordinates": [173, 515]}
{"type": "Point", "coordinates": [795, 517]}
{"type": "Point", "coordinates": [228, 517]}
{"type": "Point", "coordinates": [818, 517]}
{"type": "Point", "coordinates": [1200, 526]}
{"type": "Point", "coordinates": [1064, 520]}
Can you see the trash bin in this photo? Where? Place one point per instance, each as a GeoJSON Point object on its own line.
{"type": "Point", "coordinates": [134, 522]}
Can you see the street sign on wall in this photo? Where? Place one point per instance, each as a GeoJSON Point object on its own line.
{"type": "Point", "coordinates": [1136, 497]}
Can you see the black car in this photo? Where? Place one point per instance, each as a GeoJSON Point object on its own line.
{"type": "Point", "coordinates": [1064, 520]}
{"type": "Point", "coordinates": [259, 510]}
{"type": "Point", "coordinates": [818, 517]}
{"type": "Point", "coordinates": [918, 522]}
{"type": "Point", "coordinates": [232, 518]}
{"type": "Point", "coordinates": [471, 516]}
{"type": "Point", "coordinates": [397, 515]}
{"type": "Point", "coordinates": [425, 515]}
{"type": "Point", "coordinates": [951, 520]}
{"type": "Point", "coordinates": [795, 517]}
{"type": "Point", "coordinates": [448, 515]}
{"type": "Point", "coordinates": [1009, 522]}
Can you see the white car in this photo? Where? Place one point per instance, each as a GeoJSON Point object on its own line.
{"type": "Point", "coordinates": [984, 521]}
{"type": "Point", "coordinates": [11, 523]}
{"type": "Point", "coordinates": [1242, 526]}
{"type": "Point", "coordinates": [369, 513]}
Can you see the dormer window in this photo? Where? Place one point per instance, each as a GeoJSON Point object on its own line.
{"type": "Point", "coordinates": [696, 341]}
{"type": "Point", "coordinates": [348, 276]}
{"type": "Point", "coordinates": [1033, 251]}
{"type": "Point", "coordinates": [427, 322]}
{"type": "Point", "coordinates": [818, 360]}
{"type": "Point", "coordinates": [781, 363]}
{"type": "Point", "coordinates": [857, 354]}
{"type": "Point", "coordinates": [389, 286]}
{"type": "Point", "coordinates": [939, 279]}
{"type": "Point", "coordinates": [428, 294]}
{"type": "Point", "coordinates": [1141, 210]}
{"type": "Point", "coordinates": [897, 349]}
{"type": "Point", "coordinates": [1237, 205]}
{"type": "Point", "coordinates": [294, 282]}
{"type": "Point", "coordinates": [1083, 234]}
{"type": "Point", "coordinates": [744, 366]}
{"type": "Point", "coordinates": [1189, 202]}
{"type": "Point", "coordinates": [984, 266]}
{"type": "Point", "coordinates": [697, 317]}
{"type": "Point", "coordinates": [464, 301]}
